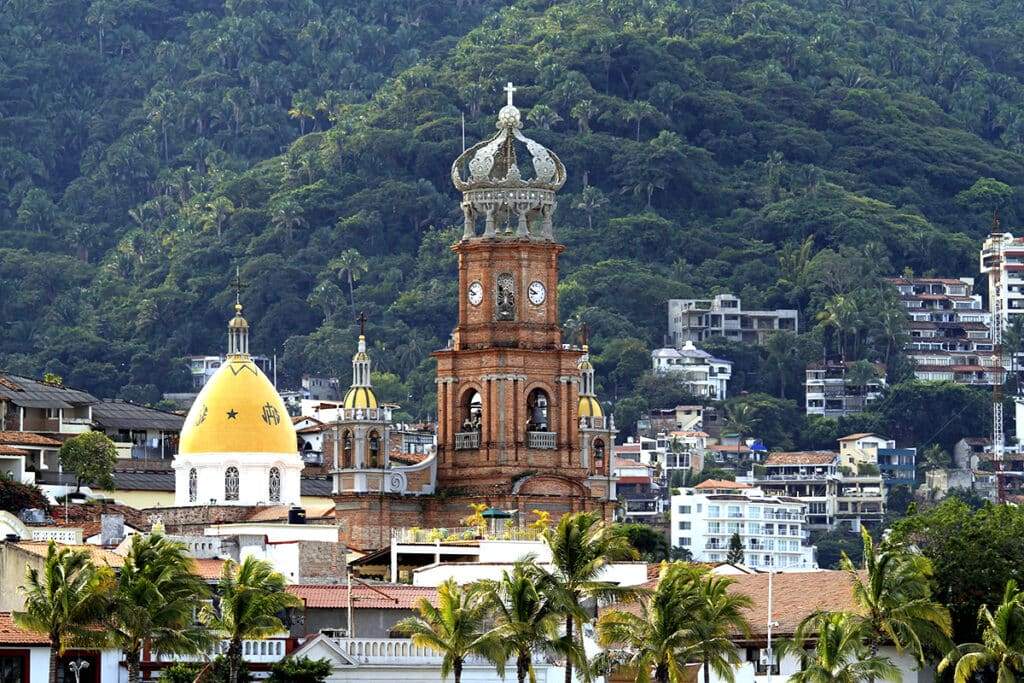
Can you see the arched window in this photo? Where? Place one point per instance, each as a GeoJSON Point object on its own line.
{"type": "Point", "coordinates": [193, 485]}
{"type": "Point", "coordinates": [346, 449]}
{"type": "Point", "coordinates": [275, 485]}
{"type": "Point", "coordinates": [374, 450]}
{"type": "Point", "coordinates": [231, 483]}
{"type": "Point", "coordinates": [598, 453]}
{"type": "Point", "coordinates": [537, 404]}
{"type": "Point", "coordinates": [472, 412]}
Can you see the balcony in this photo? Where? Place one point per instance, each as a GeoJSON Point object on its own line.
{"type": "Point", "coordinates": [467, 441]}
{"type": "Point", "coordinates": [544, 440]}
{"type": "Point", "coordinates": [253, 651]}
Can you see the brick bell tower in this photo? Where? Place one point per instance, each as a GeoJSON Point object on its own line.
{"type": "Point", "coordinates": [508, 389]}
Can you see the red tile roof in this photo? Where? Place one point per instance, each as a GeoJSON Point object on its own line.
{"type": "Point", "coordinates": [13, 635]}
{"type": "Point", "coordinates": [857, 436]}
{"type": "Point", "coordinates": [28, 439]}
{"type": "Point", "coordinates": [381, 596]}
{"type": "Point", "coordinates": [633, 480]}
{"type": "Point", "coordinates": [11, 450]}
{"type": "Point", "coordinates": [209, 569]}
{"type": "Point", "coordinates": [721, 484]}
{"type": "Point", "coordinates": [802, 458]}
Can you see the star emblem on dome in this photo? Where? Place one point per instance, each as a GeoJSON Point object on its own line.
{"type": "Point", "coordinates": [232, 414]}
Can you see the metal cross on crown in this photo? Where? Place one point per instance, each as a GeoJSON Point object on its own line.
{"type": "Point", "coordinates": [509, 90]}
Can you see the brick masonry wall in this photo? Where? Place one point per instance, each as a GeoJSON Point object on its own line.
{"type": "Point", "coordinates": [193, 519]}
{"type": "Point", "coordinates": [322, 562]}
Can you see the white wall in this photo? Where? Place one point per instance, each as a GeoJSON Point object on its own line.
{"type": "Point", "coordinates": [622, 573]}
{"type": "Point", "coordinates": [277, 533]}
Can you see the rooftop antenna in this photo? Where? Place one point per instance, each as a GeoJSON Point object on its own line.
{"type": "Point", "coordinates": [237, 283]}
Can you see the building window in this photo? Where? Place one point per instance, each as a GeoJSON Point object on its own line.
{"type": "Point", "coordinates": [231, 483]}
{"type": "Point", "coordinates": [505, 297]}
{"type": "Point", "coordinates": [684, 509]}
{"type": "Point", "coordinates": [346, 449]}
{"type": "Point", "coordinates": [193, 485]}
{"type": "Point", "coordinates": [537, 404]}
{"type": "Point", "coordinates": [275, 485]}
{"type": "Point", "coordinates": [684, 541]}
{"type": "Point", "coordinates": [374, 450]}
{"type": "Point", "coordinates": [598, 452]}
{"type": "Point", "coordinates": [472, 411]}
{"type": "Point", "coordinates": [684, 526]}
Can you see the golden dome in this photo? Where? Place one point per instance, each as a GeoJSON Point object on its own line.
{"type": "Point", "coordinates": [360, 397]}
{"type": "Point", "coordinates": [589, 407]}
{"type": "Point", "coordinates": [238, 411]}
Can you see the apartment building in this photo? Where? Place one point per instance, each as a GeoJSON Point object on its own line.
{"type": "Point", "coordinates": [695, 320]}
{"type": "Point", "coordinates": [204, 367]}
{"type": "Point", "coordinates": [831, 390]}
{"type": "Point", "coordinates": [833, 498]}
{"type": "Point", "coordinates": [1002, 258]}
{"type": "Point", "coordinates": [897, 466]}
{"type": "Point", "coordinates": [663, 420]}
{"type": "Point", "coordinates": [772, 528]}
{"type": "Point", "coordinates": [950, 330]}
{"type": "Point", "coordinates": [704, 375]}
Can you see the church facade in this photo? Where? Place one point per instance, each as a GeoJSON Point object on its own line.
{"type": "Point", "coordinates": [519, 426]}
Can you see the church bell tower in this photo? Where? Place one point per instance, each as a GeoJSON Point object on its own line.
{"type": "Point", "coordinates": [507, 387]}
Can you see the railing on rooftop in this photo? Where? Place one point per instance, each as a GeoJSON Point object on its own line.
{"type": "Point", "coordinates": [460, 535]}
{"type": "Point", "coordinates": [401, 651]}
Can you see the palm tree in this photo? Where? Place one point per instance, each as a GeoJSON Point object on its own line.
{"type": "Point", "coordinates": [581, 548]}
{"type": "Point", "coordinates": [217, 212]}
{"type": "Point", "coordinates": [591, 201]}
{"type": "Point", "coordinates": [895, 602]}
{"type": "Point", "coordinates": [739, 418]}
{"type": "Point", "coordinates": [583, 111]}
{"type": "Point", "coordinates": [455, 629]}
{"type": "Point", "coordinates": [527, 618]}
{"type": "Point", "coordinates": [717, 617]}
{"type": "Point", "coordinates": [1002, 642]}
{"type": "Point", "coordinates": [251, 596]}
{"type": "Point", "coordinates": [543, 116]}
{"type": "Point", "coordinates": [154, 602]}
{"type": "Point", "coordinates": [353, 265]}
{"type": "Point", "coordinates": [287, 216]}
{"type": "Point", "coordinates": [68, 596]}
{"type": "Point", "coordinates": [838, 313]}
{"type": "Point", "coordinates": [781, 347]}
{"type": "Point", "coordinates": [839, 654]}
{"type": "Point", "coordinates": [660, 636]}
{"type": "Point", "coordinates": [639, 111]}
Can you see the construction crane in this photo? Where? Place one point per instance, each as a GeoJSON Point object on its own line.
{"type": "Point", "coordinates": [996, 292]}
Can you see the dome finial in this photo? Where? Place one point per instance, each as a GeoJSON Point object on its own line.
{"type": "Point", "coordinates": [238, 327]}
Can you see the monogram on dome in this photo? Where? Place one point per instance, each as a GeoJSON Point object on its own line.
{"type": "Point", "coordinates": [513, 198]}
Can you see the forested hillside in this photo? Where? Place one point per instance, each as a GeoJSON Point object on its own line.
{"type": "Point", "coordinates": [791, 152]}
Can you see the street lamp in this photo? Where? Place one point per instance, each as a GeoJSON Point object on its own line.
{"type": "Point", "coordinates": [76, 668]}
{"type": "Point", "coordinates": [771, 624]}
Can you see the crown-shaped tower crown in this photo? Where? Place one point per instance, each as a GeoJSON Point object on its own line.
{"type": "Point", "coordinates": [495, 188]}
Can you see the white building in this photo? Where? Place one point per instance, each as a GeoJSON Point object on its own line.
{"type": "Point", "coordinates": [203, 368]}
{"type": "Point", "coordinates": [704, 519]}
{"type": "Point", "coordinates": [704, 375]}
{"type": "Point", "coordinates": [831, 392]}
{"type": "Point", "coordinates": [833, 497]}
{"type": "Point", "coordinates": [238, 445]}
{"type": "Point", "coordinates": [695, 320]}
{"type": "Point", "coordinates": [950, 335]}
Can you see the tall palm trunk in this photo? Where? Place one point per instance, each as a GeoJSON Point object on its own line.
{"type": "Point", "coordinates": [570, 635]}
{"type": "Point", "coordinates": [522, 666]}
{"type": "Point", "coordinates": [457, 669]}
{"type": "Point", "coordinates": [234, 659]}
{"type": "Point", "coordinates": [132, 664]}
{"type": "Point", "coordinates": [54, 647]}
{"type": "Point", "coordinates": [661, 673]}
{"type": "Point", "coordinates": [707, 671]}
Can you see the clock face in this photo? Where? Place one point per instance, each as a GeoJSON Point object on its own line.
{"type": "Point", "coordinates": [537, 293]}
{"type": "Point", "coordinates": [476, 293]}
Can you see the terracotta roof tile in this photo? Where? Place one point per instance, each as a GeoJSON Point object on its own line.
{"type": "Point", "coordinates": [28, 439]}
{"type": "Point", "coordinates": [802, 458]}
{"type": "Point", "coordinates": [633, 480]}
{"type": "Point", "coordinates": [98, 555]}
{"type": "Point", "coordinates": [858, 436]}
{"type": "Point", "coordinates": [11, 450]}
{"type": "Point", "coordinates": [209, 569]}
{"type": "Point", "coordinates": [721, 484]}
{"type": "Point", "coordinates": [381, 596]}
{"type": "Point", "coordinates": [13, 635]}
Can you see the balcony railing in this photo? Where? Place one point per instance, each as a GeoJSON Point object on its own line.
{"type": "Point", "coordinates": [254, 651]}
{"type": "Point", "coordinates": [466, 441]}
{"type": "Point", "coordinates": [401, 651]}
{"type": "Point", "coordinates": [546, 440]}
